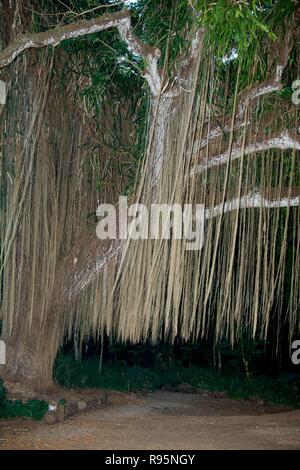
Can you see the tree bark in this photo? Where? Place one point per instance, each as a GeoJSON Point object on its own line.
{"type": "Point", "coordinates": [30, 357]}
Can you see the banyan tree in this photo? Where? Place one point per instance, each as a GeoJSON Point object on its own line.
{"type": "Point", "coordinates": [167, 101]}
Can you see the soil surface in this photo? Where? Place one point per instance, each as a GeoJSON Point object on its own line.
{"type": "Point", "coordinates": [162, 420]}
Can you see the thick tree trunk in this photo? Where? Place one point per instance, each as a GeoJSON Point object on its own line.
{"type": "Point", "coordinates": [30, 358]}
{"type": "Point", "coordinates": [31, 351]}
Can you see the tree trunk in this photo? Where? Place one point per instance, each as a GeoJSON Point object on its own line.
{"type": "Point", "coordinates": [30, 358]}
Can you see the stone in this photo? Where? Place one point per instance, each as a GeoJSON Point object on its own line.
{"type": "Point", "coordinates": [82, 405]}
{"type": "Point", "coordinates": [61, 413]}
{"type": "Point", "coordinates": [50, 417]}
{"type": "Point", "coordinates": [71, 409]}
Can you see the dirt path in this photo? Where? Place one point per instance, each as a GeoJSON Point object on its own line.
{"type": "Point", "coordinates": [163, 420]}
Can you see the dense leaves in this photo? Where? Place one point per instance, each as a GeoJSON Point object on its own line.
{"type": "Point", "coordinates": [34, 409]}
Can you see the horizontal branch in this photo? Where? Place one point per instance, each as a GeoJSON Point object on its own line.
{"type": "Point", "coordinates": [54, 36]}
{"type": "Point", "coordinates": [283, 140]}
{"type": "Point", "coordinates": [248, 98]}
{"type": "Point", "coordinates": [255, 200]}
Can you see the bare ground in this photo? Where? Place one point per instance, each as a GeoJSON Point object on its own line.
{"type": "Point", "coordinates": [162, 420]}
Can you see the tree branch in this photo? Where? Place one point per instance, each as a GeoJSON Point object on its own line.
{"type": "Point", "coordinates": [182, 78]}
{"type": "Point", "coordinates": [54, 36]}
{"type": "Point", "coordinates": [255, 199]}
{"type": "Point", "coordinates": [150, 54]}
{"type": "Point", "coordinates": [282, 140]}
{"type": "Point", "coordinates": [248, 97]}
